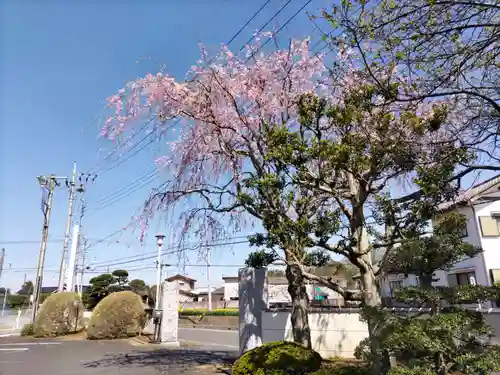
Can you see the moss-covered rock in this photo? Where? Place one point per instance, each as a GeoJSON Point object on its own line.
{"type": "Point", "coordinates": [118, 315]}
{"type": "Point", "coordinates": [60, 314]}
{"type": "Point", "coordinates": [276, 358]}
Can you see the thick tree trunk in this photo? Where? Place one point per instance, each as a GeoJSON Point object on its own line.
{"type": "Point", "coordinates": [372, 299]}
{"type": "Point", "coordinates": [300, 306]}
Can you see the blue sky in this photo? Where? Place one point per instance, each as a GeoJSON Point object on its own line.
{"type": "Point", "coordinates": [60, 60]}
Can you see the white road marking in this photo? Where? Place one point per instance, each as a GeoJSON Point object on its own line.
{"type": "Point", "coordinates": [208, 344]}
{"type": "Point", "coordinates": [14, 349]}
{"type": "Point", "coordinates": [207, 330]}
{"type": "Point", "coordinates": [31, 343]}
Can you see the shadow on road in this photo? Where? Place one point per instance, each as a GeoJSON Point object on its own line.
{"type": "Point", "coordinates": [170, 360]}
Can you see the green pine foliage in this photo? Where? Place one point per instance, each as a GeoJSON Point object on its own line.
{"type": "Point", "coordinates": [444, 337]}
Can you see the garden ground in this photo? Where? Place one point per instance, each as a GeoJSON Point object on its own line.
{"type": "Point", "coordinates": [81, 357]}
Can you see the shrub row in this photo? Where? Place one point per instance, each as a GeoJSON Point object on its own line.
{"type": "Point", "coordinates": [118, 315]}
{"type": "Point", "coordinates": [203, 312]}
{"type": "Point", "coordinates": [17, 300]}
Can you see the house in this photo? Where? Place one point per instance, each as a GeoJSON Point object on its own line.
{"type": "Point", "coordinates": [186, 287]}
{"type": "Point", "coordinates": [278, 290]}
{"type": "Point", "coordinates": [481, 206]}
{"type": "Point", "coordinates": [217, 294]}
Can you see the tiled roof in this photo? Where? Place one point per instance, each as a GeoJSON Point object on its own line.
{"type": "Point", "coordinates": [472, 194]}
{"type": "Point", "coordinates": [180, 277]}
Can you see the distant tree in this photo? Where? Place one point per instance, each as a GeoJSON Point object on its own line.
{"type": "Point", "coordinates": [260, 259]}
{"type": "Point", "coordinates": [100, 287]}
{"type": "Point", "coordinates": [121, 277]}
{"type": "Point", "coordinates": [28, 285]}
{"type": "Point", "coordinates": [317, 258]}
{"type": "Point", "coordinates": [276, 273]}
{"type": "Point", "coordinates": [138, 286]}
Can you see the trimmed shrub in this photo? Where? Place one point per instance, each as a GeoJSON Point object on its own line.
{"type": "Point", "coordinates": [205, 312]}
{"type": "Point", "coordinates": [343, 370]}
{"type": "Point", "coordinates": [276, 358]}
{"type": "Point", "coordinates": [118, 315]}
{"type": "Point", "coordinates": [60, 314]}
{"type": "Point", "coordinates": [27, 330]}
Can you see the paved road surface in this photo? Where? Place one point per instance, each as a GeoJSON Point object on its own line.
{"type": "Point", "coordinates": [211, 337]}
{"type": "Point", "coordinates": [19, 356]}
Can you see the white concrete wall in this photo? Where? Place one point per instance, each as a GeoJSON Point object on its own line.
{"type": "Point", "coordinates": [230, 289]}
{"type": "Point", "coordinates": [332, 334]}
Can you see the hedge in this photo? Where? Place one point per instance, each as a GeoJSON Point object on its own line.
{"type": "Point", "coordinates": [117, 315]}
{"type": "Point", "coordinates": [60, 314]}
{"type": "Point", "coordinates": [277, 358]}
{"type": "Point", "coordinates": [205, 312]}
{"type": "Point", "coordinates": [20, 300]}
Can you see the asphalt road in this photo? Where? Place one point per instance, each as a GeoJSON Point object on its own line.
{"type": "Point", "coordinates": [219, 339]}
{"type": "Point", "coordinates": [19, 356]}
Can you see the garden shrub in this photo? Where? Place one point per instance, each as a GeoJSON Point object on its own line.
{"type": "Point", "coordinates": [277, 358]}
{"type": "Point", "coordinates": [27, 330]}
{"type": "Point", "coordinates": [118, 315]}
{"type": "Point", "coordinates": [205, 312]}
{"type": "Point", "coordinates": [60, 314]}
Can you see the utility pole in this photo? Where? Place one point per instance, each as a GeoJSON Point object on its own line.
{"type": "Point", "coordinates": [2, 259]}
{"type": "Point", "coordinates": [48, 183]}
{"type": "Point", "coordinates": [62, 267]}
{"type": "Point", "coordinates": [209, 281]}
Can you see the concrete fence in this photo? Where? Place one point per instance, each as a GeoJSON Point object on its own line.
{"type": "Point", "coordinates": [334, 332]}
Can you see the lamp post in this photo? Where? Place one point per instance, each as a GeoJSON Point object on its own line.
{"type": "Point", "coordinates": [159, 242]}
{"type": "Point", "coordinates": [157, 313]}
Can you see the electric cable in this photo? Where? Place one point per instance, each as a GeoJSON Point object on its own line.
{"type": "Point", "coordinates": [281, 28]}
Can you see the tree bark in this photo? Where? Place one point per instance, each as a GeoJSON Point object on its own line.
{"type": "Point", "coordinates": [372, 299]}
{"type": "Point", "coordinates": [300, 306]}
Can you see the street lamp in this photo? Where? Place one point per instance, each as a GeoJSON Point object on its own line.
{"type": "Point", "coordinates": [159, 242]}
{"type": "Point", "coordinates": [157, 313]}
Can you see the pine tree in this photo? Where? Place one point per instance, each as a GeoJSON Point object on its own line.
{"type": "Point", "coordinates": [444, 337]}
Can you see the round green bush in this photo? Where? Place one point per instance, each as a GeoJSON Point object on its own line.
{"type": "Point", "coordinates": [276, 358]}
{"type": "Point", "coordinates": [27, 330]}
{"type": "Point", "coordinates": [60, 314]}
{"type": "Point", "coordinates": [118, 315]}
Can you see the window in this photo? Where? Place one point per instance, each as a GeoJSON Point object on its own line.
{"type": "Point", "coordinates": [461, 278]}
{"type": "Point", "coordinates": [490, 226]}
{"type": "Point", "coordinates": [395, 286]}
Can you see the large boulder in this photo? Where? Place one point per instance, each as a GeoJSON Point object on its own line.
{"type": "Point", "coordinates": [60, 314]}
{"type": "Point", "coordinates": [118, 315]}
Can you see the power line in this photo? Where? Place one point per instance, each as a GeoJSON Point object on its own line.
{"type": "Point", "coordinates": [179, 250]}
{"type": "Point", "coordinates": [132, 269]}
{"type": "Point", "coordinates": [130, 191]}
{"type": "Point", "coordinates": [170, 250]}
{"type": "Point", "coordinates": [144, 176]}
{"type": "Point", "coordinates": [265, 25]}
{"type": "Point", "coordinates": [250, 20]}
{"type": "Point", "coordinates": [281, 28]}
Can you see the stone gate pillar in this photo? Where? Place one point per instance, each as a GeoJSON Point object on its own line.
{"type": "Point", "coordinates": [253, 298]}
{"type": "Point", "coordinates": [170, 319]}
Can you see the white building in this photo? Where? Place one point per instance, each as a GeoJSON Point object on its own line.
{"type": "Point", "coordinates": [481, 206]}
{"type": "Point", "coordinates": [278, 290]}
